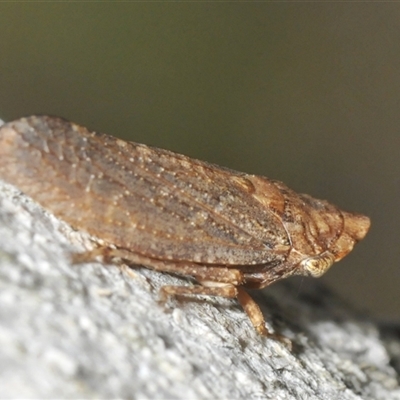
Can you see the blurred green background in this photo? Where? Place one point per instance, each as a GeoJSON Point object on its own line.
{"type": "Point", "coordinates": [305, 93]}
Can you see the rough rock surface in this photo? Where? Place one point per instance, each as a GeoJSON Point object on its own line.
{"type": "Point", "coordinates": [99, 331]}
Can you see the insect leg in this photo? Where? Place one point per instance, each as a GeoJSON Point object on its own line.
{"type": "Point", "coordinates": [215, 281]}
{"type": "Point", "coordinates": [251, 308]}
{"type": "Point", "coordinates": [253, 311]}
{"type": "Point", "coordinates": [202, 272]}
{"type": "Point", "coordinates": [256, 317]}
{"type": "Point", "coordinates": [226, 290]}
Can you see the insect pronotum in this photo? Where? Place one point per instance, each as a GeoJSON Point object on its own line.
{"type": "Point", "coordinates": [226, 229]}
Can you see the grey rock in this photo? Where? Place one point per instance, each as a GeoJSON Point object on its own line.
{"type": "Point", "coordinates": [99, 331]}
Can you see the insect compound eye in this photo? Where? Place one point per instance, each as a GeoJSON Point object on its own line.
{"type": "Point", "coordinates": [317, 266]}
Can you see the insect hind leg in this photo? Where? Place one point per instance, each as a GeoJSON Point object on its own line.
{"type": "Point", "coordinates": [183, 268]}
{"type": "Point", "coordinates": [219, 281]}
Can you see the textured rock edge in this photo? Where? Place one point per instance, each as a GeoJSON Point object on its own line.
{"type": "Point", "coordinates": [96, 331]}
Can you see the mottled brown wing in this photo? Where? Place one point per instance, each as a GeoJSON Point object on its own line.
{"type": "Point", "coordinates": [150, 201]}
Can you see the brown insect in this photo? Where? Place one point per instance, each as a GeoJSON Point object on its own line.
{"type": "Point", "coordinates": [226, 229]}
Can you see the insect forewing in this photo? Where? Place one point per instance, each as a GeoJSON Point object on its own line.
{"type": "Point", "coordinates": [150, 201]}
